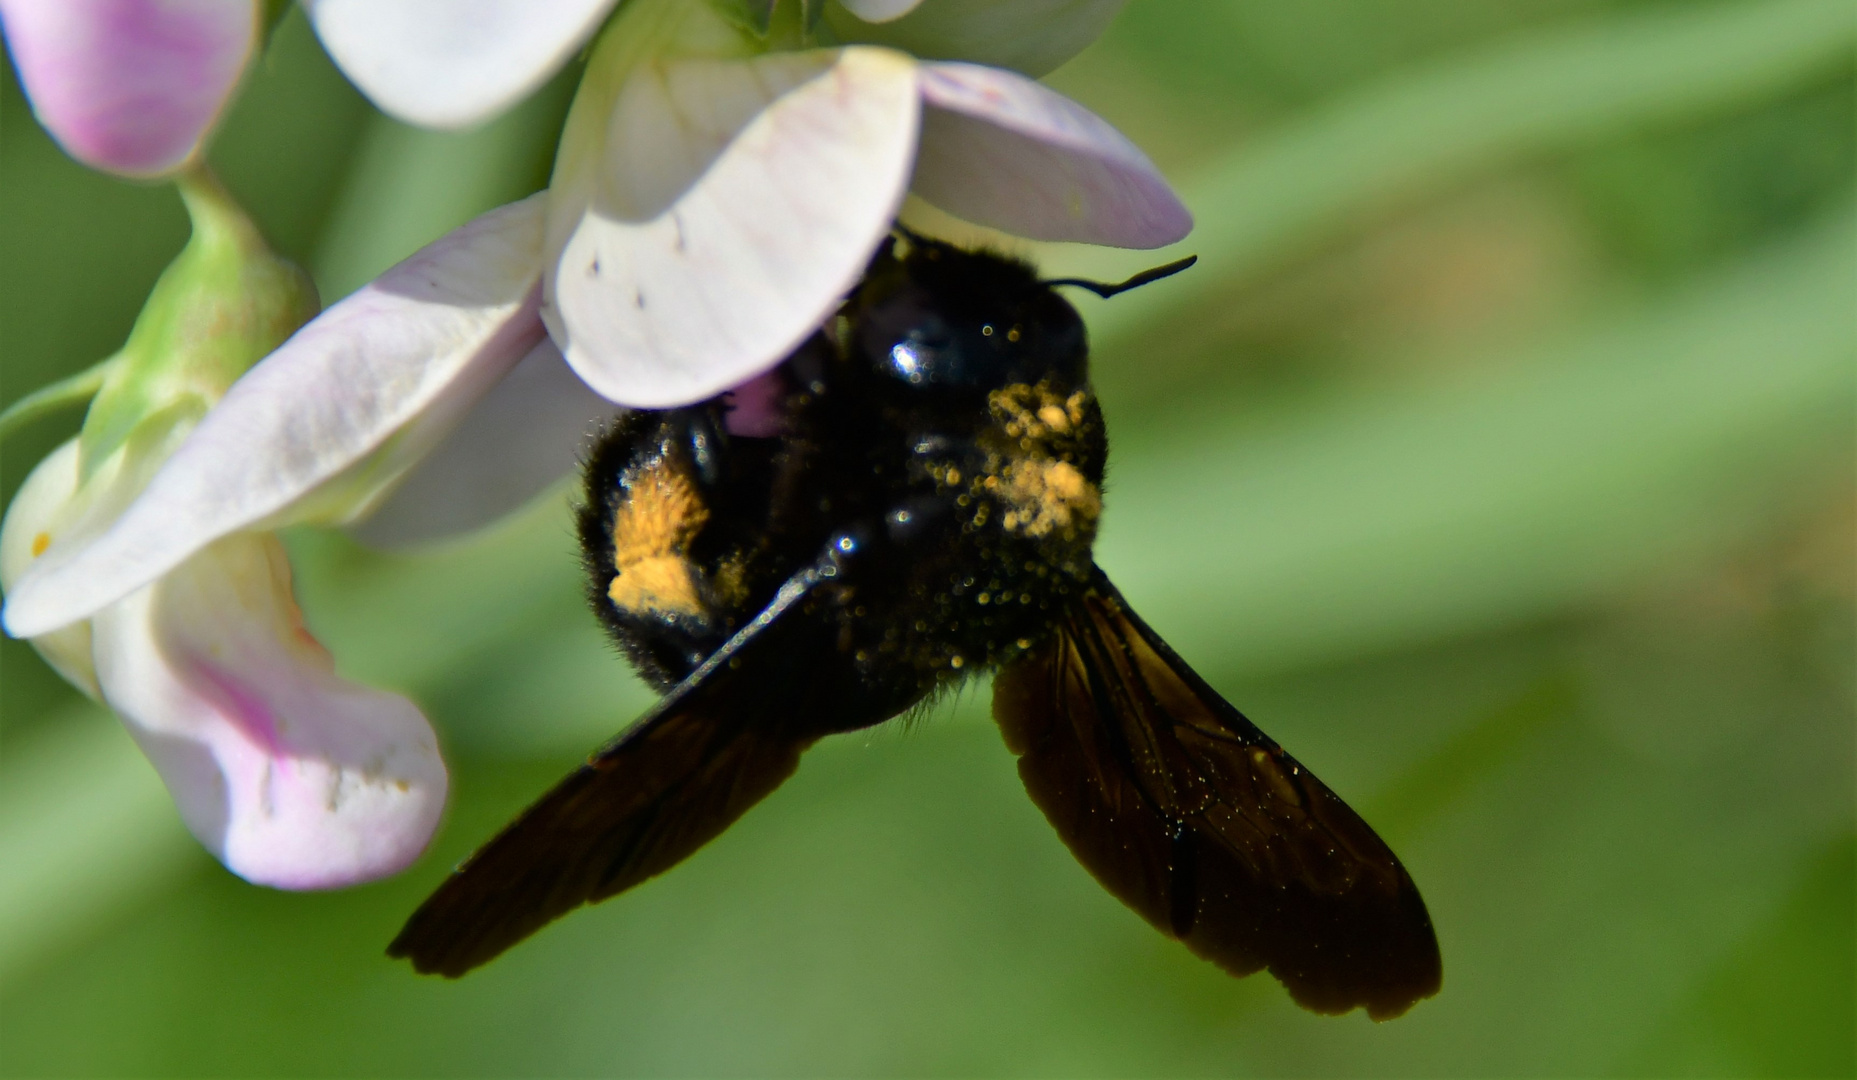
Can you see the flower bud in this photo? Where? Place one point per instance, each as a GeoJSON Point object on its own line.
{"type": "Point", "coordinates": [223, 303]}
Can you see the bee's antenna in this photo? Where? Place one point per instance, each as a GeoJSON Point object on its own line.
{"type": "Point", "coordinates": [1106, 291]}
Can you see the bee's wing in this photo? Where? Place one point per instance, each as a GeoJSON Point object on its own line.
{"type": "Point", "coordinates": [714, 746]}
{"type": "Point", "coordinates": [1196, 819]}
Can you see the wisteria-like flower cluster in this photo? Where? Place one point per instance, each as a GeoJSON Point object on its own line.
{"type": "Point", "coordinates": [723, 176]}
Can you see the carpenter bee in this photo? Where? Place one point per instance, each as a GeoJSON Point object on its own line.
{"type": "Point", "coordinates": [909, 499]}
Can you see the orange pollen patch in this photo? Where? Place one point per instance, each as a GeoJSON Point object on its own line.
{"type": "Point", "coordinates": [40, 543]}
{"type": "Point", "coordinates": [660, 583]}
{"type": "Point", "coordinates": [651, 534]}
{"type": "Point", "coordinates": [1045, 496]}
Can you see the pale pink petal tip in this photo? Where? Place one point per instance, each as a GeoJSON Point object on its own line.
{"type": "Point", "coordinates": [1000, 150]}
{"type": "Point", "coordinates": [294, 777]}
{"type": "Point", "coordinates": [130, 86]}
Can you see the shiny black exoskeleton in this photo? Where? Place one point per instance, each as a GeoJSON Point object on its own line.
{"type": "Point", "coordinates": [938, 440]}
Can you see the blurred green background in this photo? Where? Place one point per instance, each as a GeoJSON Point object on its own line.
{"type": "Point", "coordinates": [1497, 459]}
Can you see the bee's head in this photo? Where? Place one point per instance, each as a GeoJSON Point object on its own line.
{"type": "Point", "coordinates": [932, 315]}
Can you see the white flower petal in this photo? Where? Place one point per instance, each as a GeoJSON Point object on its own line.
{"type": "Point", "coordinates": [27, 534]}
{"type": "Point", "coordinates": [1001, 150]}
{"type": "Point", "coordinates": [530, 430]}
{"type": "Point", "coordinates": [325, 424]}
{"type": "Point", "coordinates": [692, 272]}
{"type": "Point", "coordinates": [452, 63]}
{"type": "Point", "coordinates": [292, 776]}
{"type": "Point", "coordinates": [1029, 36]}
{"type": "Point", "coordinates": [878, 11]}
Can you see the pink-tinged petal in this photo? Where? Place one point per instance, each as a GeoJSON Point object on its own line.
{"type": "Point", "coordinates": [880, 11]}
{"type": "Point", "coordinates": [530, 430]}
{"type": "Point", "coordinates": [291, 775]}
{"type": "Point", "coordinates": [701, 264]}
{"type": "Point", "coordinates": [1032, 37]}
{"type": "Point", "coordinates": [757, 408]}
{"type": "Point", "coordinates": [323, 427]}
{"type": "Point", "coordinates": [131, 86]}
{"type": "Point", "coordinates": [1001, 150]}
{"type": "Point", "coordinates": [452, 63]}
{"type": "Point", "coordinates": [31, 524]}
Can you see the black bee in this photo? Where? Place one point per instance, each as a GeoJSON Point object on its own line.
{"type": "Point", "coordinates": [908, 499]}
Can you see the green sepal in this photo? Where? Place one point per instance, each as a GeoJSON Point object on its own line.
{"type": "Point", "coordinates": [68, 392]}
{"type": "Point", "coordinates": [223, 304]}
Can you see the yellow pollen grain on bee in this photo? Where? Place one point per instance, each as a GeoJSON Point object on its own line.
{"type": "Point", "coordinates": [1054, 418]}
{"type": "Point", "coordinates": [40, 542]}
{"type": "Point", "coordinates": [651, 532]}
{"type": "Point", "coordinates": [1013, 334]}
{"type": "Point", "coordinates": [1049, 495]}
{"type": "Point", "coordinates": [956, 661]}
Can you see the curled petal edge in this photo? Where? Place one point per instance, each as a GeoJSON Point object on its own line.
{"type": "Point", "coordinates": [291, 776]}
{"type": "Point", "coordinates": [322, 428]}
{"type": "Point", "coordinates": [1001, 150]}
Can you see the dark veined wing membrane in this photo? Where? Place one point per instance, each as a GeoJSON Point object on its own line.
{"type": "Point", "coordinates": [1189, 814]}
{"type": "Point", "coordinates": [717, 744]}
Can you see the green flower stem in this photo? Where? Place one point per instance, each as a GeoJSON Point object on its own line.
{"type": "Point", "coordinates": [224, 303]}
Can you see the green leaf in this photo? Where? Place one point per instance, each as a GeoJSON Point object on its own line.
{"type": "Point", "coordinates": [1539, 483]}
{"type": "Point", "coordinates": [1421, 130]}
{"type": "Point", "coordinates": [86, 830]}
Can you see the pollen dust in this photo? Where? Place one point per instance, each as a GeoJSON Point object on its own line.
{"type": "Point", "coordinates": [652, 531]}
